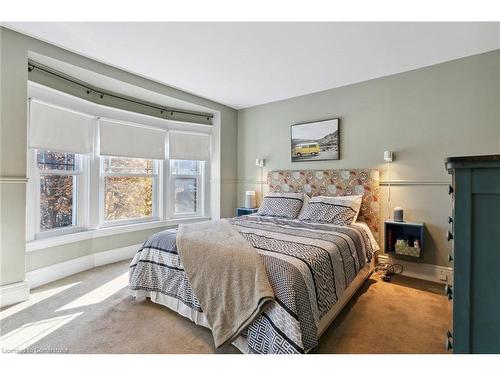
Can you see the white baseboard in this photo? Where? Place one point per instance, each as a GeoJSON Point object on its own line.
{"type": "Point", "coordinates": [58, 271]}
{"type": "Point", "coordinates": [431, 272]}
{"type": "Point", "coordinates": [14, 293]}
{"type": "Point", "coordinates": [115, 255]}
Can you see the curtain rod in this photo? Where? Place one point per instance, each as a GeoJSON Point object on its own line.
{"type": "Point", "coordinates": [90, 89]}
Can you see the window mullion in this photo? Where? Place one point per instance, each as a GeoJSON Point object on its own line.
{"type": "Point", "coordinates": [76, 206]}
{"type": "Point", "coordinates": [122, 174]}
{"type": "Point", "coordinates": [102, 191]}
{"type": "Point", "coordinates": [83, 203]}
{"type": "Point", "coordinates": [93, 183]}
{"type": "Point", "coordinates": [57, 172]}
{"type": "Point", "coordinates": [167, 181]}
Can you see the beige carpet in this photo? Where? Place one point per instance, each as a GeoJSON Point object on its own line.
{"type": "Point", "coordinates": [91, 312]}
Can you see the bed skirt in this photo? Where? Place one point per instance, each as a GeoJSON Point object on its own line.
{"type": "Point", "coordinates": [241, 343]}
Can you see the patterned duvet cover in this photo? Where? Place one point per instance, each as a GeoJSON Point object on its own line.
{"type": "Point", "coordinates": [309, 266]}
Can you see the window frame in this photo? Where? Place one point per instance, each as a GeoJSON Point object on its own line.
{"type": "Point", "coordinates": [200, 195]}
{"type": "Point", "coordinates": [80, 196]}
{"type": "Point", "coordinates": [156, 175]}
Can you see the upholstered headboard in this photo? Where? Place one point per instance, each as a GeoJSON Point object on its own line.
{"type": "Point", "coordinates": [334, 182]}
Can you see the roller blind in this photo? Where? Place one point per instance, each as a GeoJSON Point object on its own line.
{"type": "Point", "coordinates": [189, 146]}
{"type": "Point", "coordinates": [131, 140]}
{"type": "Point", "coordinates": [59, 129]}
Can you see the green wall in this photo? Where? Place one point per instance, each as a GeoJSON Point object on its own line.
{"type": "Point", "coordinates": [13, 80]}
{"type": "Point", "coordinates": [423, 116]}
{"type": "Point", "coordinates": [57, 254]}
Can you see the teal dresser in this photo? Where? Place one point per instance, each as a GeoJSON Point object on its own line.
{"type": "Point", "coordinates": [475, 235]}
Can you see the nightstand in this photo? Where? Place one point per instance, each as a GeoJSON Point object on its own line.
{"type": "Point", "coordinates": [409, 233]}
{"type": "Point", "coordinates": [240, 211]}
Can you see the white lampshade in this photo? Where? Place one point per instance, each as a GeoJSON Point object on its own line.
{"type": "Point", "coordinates": [250, 199]}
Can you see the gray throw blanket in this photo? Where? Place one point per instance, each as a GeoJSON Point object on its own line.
{"type": "Point", "coordinates": [226, 274]}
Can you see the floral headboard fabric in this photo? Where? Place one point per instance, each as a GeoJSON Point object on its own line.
{"type": "Point", "coordinates": [333, 183]}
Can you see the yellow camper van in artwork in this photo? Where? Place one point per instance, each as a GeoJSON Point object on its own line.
{"type": "Point", "coordinates": [311, 148]}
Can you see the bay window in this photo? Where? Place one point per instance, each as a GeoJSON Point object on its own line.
{"type": "Point", "coordinates": [88, 172]}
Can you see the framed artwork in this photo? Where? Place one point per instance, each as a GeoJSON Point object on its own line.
{"type": "Point", "coordinates": [319, 140]}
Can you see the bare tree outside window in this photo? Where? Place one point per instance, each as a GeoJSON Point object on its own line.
{"type": "Point", "coordinates": [128, 188]}
{"type": "Point", "coordinates": [57, 189]}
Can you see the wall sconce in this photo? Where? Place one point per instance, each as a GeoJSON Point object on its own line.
{"type": "Point", "coordinates": [259, 162]}
{"type": "Point", "coordinates": [388, 156]}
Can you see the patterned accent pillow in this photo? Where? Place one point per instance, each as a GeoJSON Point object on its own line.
{"type": "Point", "coordinates": [355, 203]}
{"type": "Point", "coordinates": [285, 205]}
{"type": "Point", "coordinates": [335, 210]}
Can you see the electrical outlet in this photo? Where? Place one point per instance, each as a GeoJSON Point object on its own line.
{"type": "Point", "coordinates": [443, 276]}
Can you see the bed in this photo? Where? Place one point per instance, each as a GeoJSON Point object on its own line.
{"type": "Point", "coordinates": [313, 268]}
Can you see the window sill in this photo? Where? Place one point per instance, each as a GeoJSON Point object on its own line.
{"type": "Point", "coordinates": [106, 231]}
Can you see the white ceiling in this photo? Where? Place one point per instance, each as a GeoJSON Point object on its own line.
{"type": "Point", "coordinates": [246, 64]}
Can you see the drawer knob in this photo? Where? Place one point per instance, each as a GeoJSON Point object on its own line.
{"type": "Point", "coordinates": [450, 189]}
{"type": "Point", "coordinates": [449, 344]}
{"type": "Point", "coordinates": [448, 291]}
{"type": "Point", "coordinates": [450, 258]}
{"type": "Point", "coordinates": [449, 236]}
{"type": "Point", "coordinates": [450, 220]}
